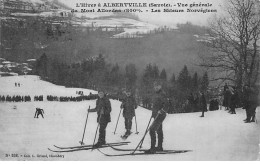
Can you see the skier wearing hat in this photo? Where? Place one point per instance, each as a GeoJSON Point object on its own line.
{"type": "Point", "coordinates": [159, 110]}
{"type": "Point", "coordinates": [203, 103]}
{"type": "Point", "coordinates": [103, 109]}
{"type": "Point", "coordinates": [128, 105]}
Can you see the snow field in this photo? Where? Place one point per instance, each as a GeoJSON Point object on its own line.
{"type": "Point", "coordinates": [217, 136]}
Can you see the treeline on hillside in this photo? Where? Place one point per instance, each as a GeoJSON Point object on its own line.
{"type": "Point", "coordinates": [96, 73]}
{"type": "Point", "coordinates": [28, 38]}
{"type": "Point", "coordinates": [192, 29]}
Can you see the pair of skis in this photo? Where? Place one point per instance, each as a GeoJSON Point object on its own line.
{"type": "Point", "coordinates": [131, 152]}
{"type": "Point", "coordinates": [136, 151]}
{"type": "Point", "coordinates": [139, 152]}
{"type": "Point", "coordinates": [114, 147]}
{"type": "Point", "coordinates": [84, 147]}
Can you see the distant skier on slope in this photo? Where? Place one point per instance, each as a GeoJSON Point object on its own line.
{"type": "Point", "coordinates": [227, 97]}
{"type": "Point", "coordinates": [103, 109]}
{"type": "Point", "coordinates": [38, 112]}
{"type": "Point", "coordinates": [128, 105]}
{"type": "Point", "coordinates": [233, 101]}
{"type": "Point", "coordinates": [203, 104]}
{"type": "Point", "coordinates": [159, 110]}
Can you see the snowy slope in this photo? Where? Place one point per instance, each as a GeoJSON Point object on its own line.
{"type": "Point", "coordinates": [98, 19]}
{"type": "Point", "coordinates": [218, 136]}
{"type": "Point", "coordinates": [32, 85]}
{"type": "Point", "coordinates": [130, 26]}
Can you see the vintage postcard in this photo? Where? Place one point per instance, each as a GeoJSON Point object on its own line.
{"type": "Point", "coordinates": [129, 80]}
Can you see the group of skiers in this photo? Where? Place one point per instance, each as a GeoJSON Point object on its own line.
{"type": "Point", "coordinates": [248, 100]}
{"type": "Point", "coordinates": [38, 98]}
{"type": "Point", "coordinates": [15, 98]}
{"type": "Point", "coordinates": [214, 104]}
{"type": "Point", "coordinates": [17, 84]}
{"type": "Point", "coordinates": [198, 102]}
{"type": "Point", "coordinates": [159, 109]}
{"type": "Point", "coordinates": [71, 98]}
{"type": "Point", "coordinates": [76, 99]}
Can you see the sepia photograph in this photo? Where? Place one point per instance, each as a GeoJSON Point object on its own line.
{"type": "Point", "coordinates": [129, 80]}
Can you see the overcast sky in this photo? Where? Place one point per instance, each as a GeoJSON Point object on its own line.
{"type": "Point", "coordinates": [161, 18]}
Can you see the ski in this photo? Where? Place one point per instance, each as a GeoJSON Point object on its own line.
{"type": "Point", "coordinates": [143, 153]}
{"type": "Point", "coordinates": [119, 149]}
{"type": "Point", "coordinates": [86, 146]}
{"type": "Point", "coordinates": [79, 149]}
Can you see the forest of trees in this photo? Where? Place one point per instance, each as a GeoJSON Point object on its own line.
{"type": "Point", "coordinates": [95, 73]}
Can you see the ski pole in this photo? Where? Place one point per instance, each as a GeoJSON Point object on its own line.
{"type": "Point", "coordinates": [118, 120]}
{"type": "Point", "coordinates": [146, 130]}
{"type": "Point", "coordinates": [141, 142]}
{"type": "Point", "coordinates": [136, 126]}
{"type": "Point", "coordinates": [97, 130]}
{"type": "Point", "coordinates": [81, 142]}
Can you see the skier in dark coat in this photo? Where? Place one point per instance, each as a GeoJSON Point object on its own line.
{"type": "Point", "coordinates": [246, 101]}
{"type": "Point", "coordinates": [232, 104]}
{"type": "Point", "coordinates": [233, 101]}
{"type": "Point", "coordinates": [225, 87]}
{"type": "Point", "coordinates": [129, 105]}
{"type": "Point", "coordinates": [103, 109]}
{"type": "Point", "coordinates": [254, 103]}
{"type": "Point", "coordinates": [159, 110]}
{"type": "Point", "coordinates": [38, 112]}
{"type": "Point", "coordinates": [251, 102]}
{"type": "Point", "coordinates": [203, 104]}
{"type": "Point", "coordinates": [227, 97]}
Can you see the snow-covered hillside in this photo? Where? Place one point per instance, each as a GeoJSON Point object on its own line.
{"type": "Point", "coordinates": [130, 26]}
{"type": "Point", "coordinates": [14, 68]}
{"type": "Point", "coordinates": [54, 8]}
{"type": "Point", "coordinates": [32, 85]}
{"type": "Point", "coordinates": [217, 136]}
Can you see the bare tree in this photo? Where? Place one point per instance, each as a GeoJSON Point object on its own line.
{"type": "Point", "coordinates": [234, 43]}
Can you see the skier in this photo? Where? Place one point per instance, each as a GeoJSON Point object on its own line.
{"type": "Point", "coordinates": [159, 110]}
{"type": "Point", "coordinates": [246, 101]}
{"type": "Point", "coordinates": [129, 105]}
{"type": "Point", "coordinates": [254, 102]}
{"type": "Point", "coordinates": [225, 87]}
{"type": "Point", "coordinates": [103, 109]}
{"type": "Point", "coordinates": [38, 112]}
{"type": "Point", "coordinates": [203, 104]}
{"type": "Point", "coordinates": [227, 96]}
{"type": "Point", "coordinates": [233, 102]}
{"type": "Point", "coordinates": [251, 103]}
